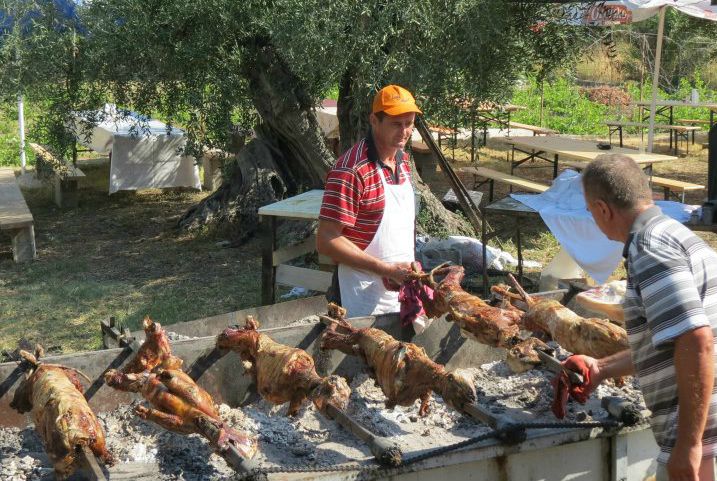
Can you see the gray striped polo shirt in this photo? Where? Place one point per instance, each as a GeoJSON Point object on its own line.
{"type": "Point", "coordinates": [671, 289]}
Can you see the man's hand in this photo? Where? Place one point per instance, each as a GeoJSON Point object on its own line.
{"type": "Point", "coordinates": [587, 367]}
{"type": "Point", "coordinates": [684, 462]}
{"type": "Point", "coordinates": [595, 375]}
{"type": "Point", "coordinates": [397, 272]}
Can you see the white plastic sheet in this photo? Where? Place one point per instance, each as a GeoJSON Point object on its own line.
{"type": "Point", "coordinates": [146, 153]}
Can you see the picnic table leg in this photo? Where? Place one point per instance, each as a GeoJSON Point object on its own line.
{"type": "Point", "coordinates": [23, 244]}
{"type": "Point", "coordinates": [520, 250]}
{"type": "Point", "coordinates": [620, 130]}
{"type": "Point", "coordinates": [666, 193]}
{"type": "Point", "coordinates": [267, 228]}
{"type": "Point", "coordinates": [66, 192]}
{"type": "Point", "coordinates": [491, 183]}
{"type": "Point", "coordinates": [555, 166]}
{"type": "Point", "coordinates": [473, 138]}
{"type": "Point", "coordinates": [670, 110]}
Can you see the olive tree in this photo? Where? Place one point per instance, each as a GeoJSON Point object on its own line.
{"type": "Point", "coordinates": [212, 64]}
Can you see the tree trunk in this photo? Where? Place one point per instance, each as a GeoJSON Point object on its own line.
{"type": "Point", "coordinates": [352, 109]}
{"type": "Point", "coordinates": [289, 155]}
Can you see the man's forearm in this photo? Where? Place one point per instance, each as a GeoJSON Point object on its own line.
{"type": "Point", "coordinates": [617, 365]}
{"type": "Point", "coordinates": [343, 251]}
{"type": "Point", "coordinates": [694, 369]}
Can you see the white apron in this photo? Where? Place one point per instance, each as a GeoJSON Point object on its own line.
{"type": "Point", "coordinates": [363, 292]}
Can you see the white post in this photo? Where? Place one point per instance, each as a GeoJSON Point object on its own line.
{"type": "Point", "coordinates": [656, 78]}
{"type": "Point", "coordinates": [21, 126]}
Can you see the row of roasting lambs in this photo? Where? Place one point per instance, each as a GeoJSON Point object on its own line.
{"type": "Point", "coordinates": [283, 374]}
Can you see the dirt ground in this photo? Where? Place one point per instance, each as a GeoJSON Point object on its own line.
{"type": "Point", "coordinates": [122, 255]}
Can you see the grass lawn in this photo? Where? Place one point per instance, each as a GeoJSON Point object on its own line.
{"type": "Point", "coordinates": [117, 256]}
{"type": "Point", "coordinates": [122, 256]}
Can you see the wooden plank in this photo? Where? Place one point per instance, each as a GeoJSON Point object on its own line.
{"type": "Point", "coordinates": [71, 172]}
{"type": "Point", "coordinates": [292, 252]}
{"type": "Point", "coordinates": [693, 121]}
{"type": "Point", "coordinates": [581, 150]}
{"type": "Point", "coordinates": [676, 185]}
{"type": "Point", "coordinates": [302, 277]}
{"type": "Point", "coordinates": [302, 206]}
{"type": "Point", "coordinates": [679, 128]}
{"type": "Point", "coordinates": [14, 213]}
{"type": "Point", "coordinates": [533, 128]}
{"type": "Point", "coordinates": [505, 178]}
{"type": "Point", "coordinates": [677, 103]}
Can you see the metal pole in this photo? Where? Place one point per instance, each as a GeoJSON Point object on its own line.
{"type": "Point", "coordinates": [21, 127]}
{"type": "Point", "coordinates": [656, 78]}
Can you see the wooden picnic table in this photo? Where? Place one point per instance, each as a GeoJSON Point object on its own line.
{"type": "Point", "coordinates": [16, 218]}
{"type": "Point", "coordinates": [664, 109]}
{"type": "Point", "coordinates": [554, 148]}
{"type": "Point", "coordinates": [274, 268]}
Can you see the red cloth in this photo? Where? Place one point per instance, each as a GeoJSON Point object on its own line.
{"type": "Point", "coordinates": [562, 389]}
{"type": "Point", "coordinates": [354, 196]}
{"type": "Point", "coordinates": [412, 294]}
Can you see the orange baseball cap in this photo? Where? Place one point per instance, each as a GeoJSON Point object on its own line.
{"type": "Point", "coordinates": [394, 100]}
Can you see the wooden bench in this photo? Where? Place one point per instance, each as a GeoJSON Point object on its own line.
{"type": "Point", "coordinates": [675, 187]}
{"type": "Point", "coordinates": [493, 176]}
{"type": "Point", "coordinates": [16, 218]}
{"type": "Point", "coordinates": [680, 131]}
{"type": "Point", "coordinates": [669, 186]}
{"type": "Point", "coordinates": [65, 179]}
{"type": "Point", "coordinates": [533, 128]}
{"type": "Point", "coordinates": [695, 123]}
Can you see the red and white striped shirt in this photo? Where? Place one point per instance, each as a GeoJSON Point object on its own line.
{"type": "Point", "coordinates": [354, 194]}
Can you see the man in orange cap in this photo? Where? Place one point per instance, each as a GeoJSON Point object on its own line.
{"type": "Point", "coordinates": [367, 218]}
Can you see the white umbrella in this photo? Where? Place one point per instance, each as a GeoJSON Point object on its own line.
{"type": "Point", "coordinates": [638, 10]}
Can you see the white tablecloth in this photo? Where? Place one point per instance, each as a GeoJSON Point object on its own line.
{"type": "Point", "coordinates": [145, 153]}
{"type": "Point", "coordinates": [563, 209]}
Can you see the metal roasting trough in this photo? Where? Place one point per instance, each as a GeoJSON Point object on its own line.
{"type": "Point", "coordinates": [510, 452]}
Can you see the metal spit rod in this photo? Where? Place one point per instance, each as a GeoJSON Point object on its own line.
{"type": "Point", "coordinates": [465, 201]}
{"type": "Point", "coordinates": [92, 469]}
{"type": "Point", "coordinates": [510, 431]}
{"type": "Point", "coordinates": [386, 452]}
{"type": "Point", "coordinates": [557, 367]}
{"type": "Point", "coordinates": [229, 452]}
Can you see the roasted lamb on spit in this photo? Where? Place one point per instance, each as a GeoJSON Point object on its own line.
{"type": "Point", "coordinates": [178, 403]}
{"type": "Point", "coordinates": [287, 374]}
{"type": "Point", "coordinates": [402, 370]}
{"type": "Point", "coordinates": [590, 336]}
{"type": "Point", "coordinates": [281, 373]}
{"type": "Point", "coordinates": [154, 352]}
{"type": "Point", "coordinates": [63, 419]}
{"type": "Point", "coordinates": [478, 320]}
